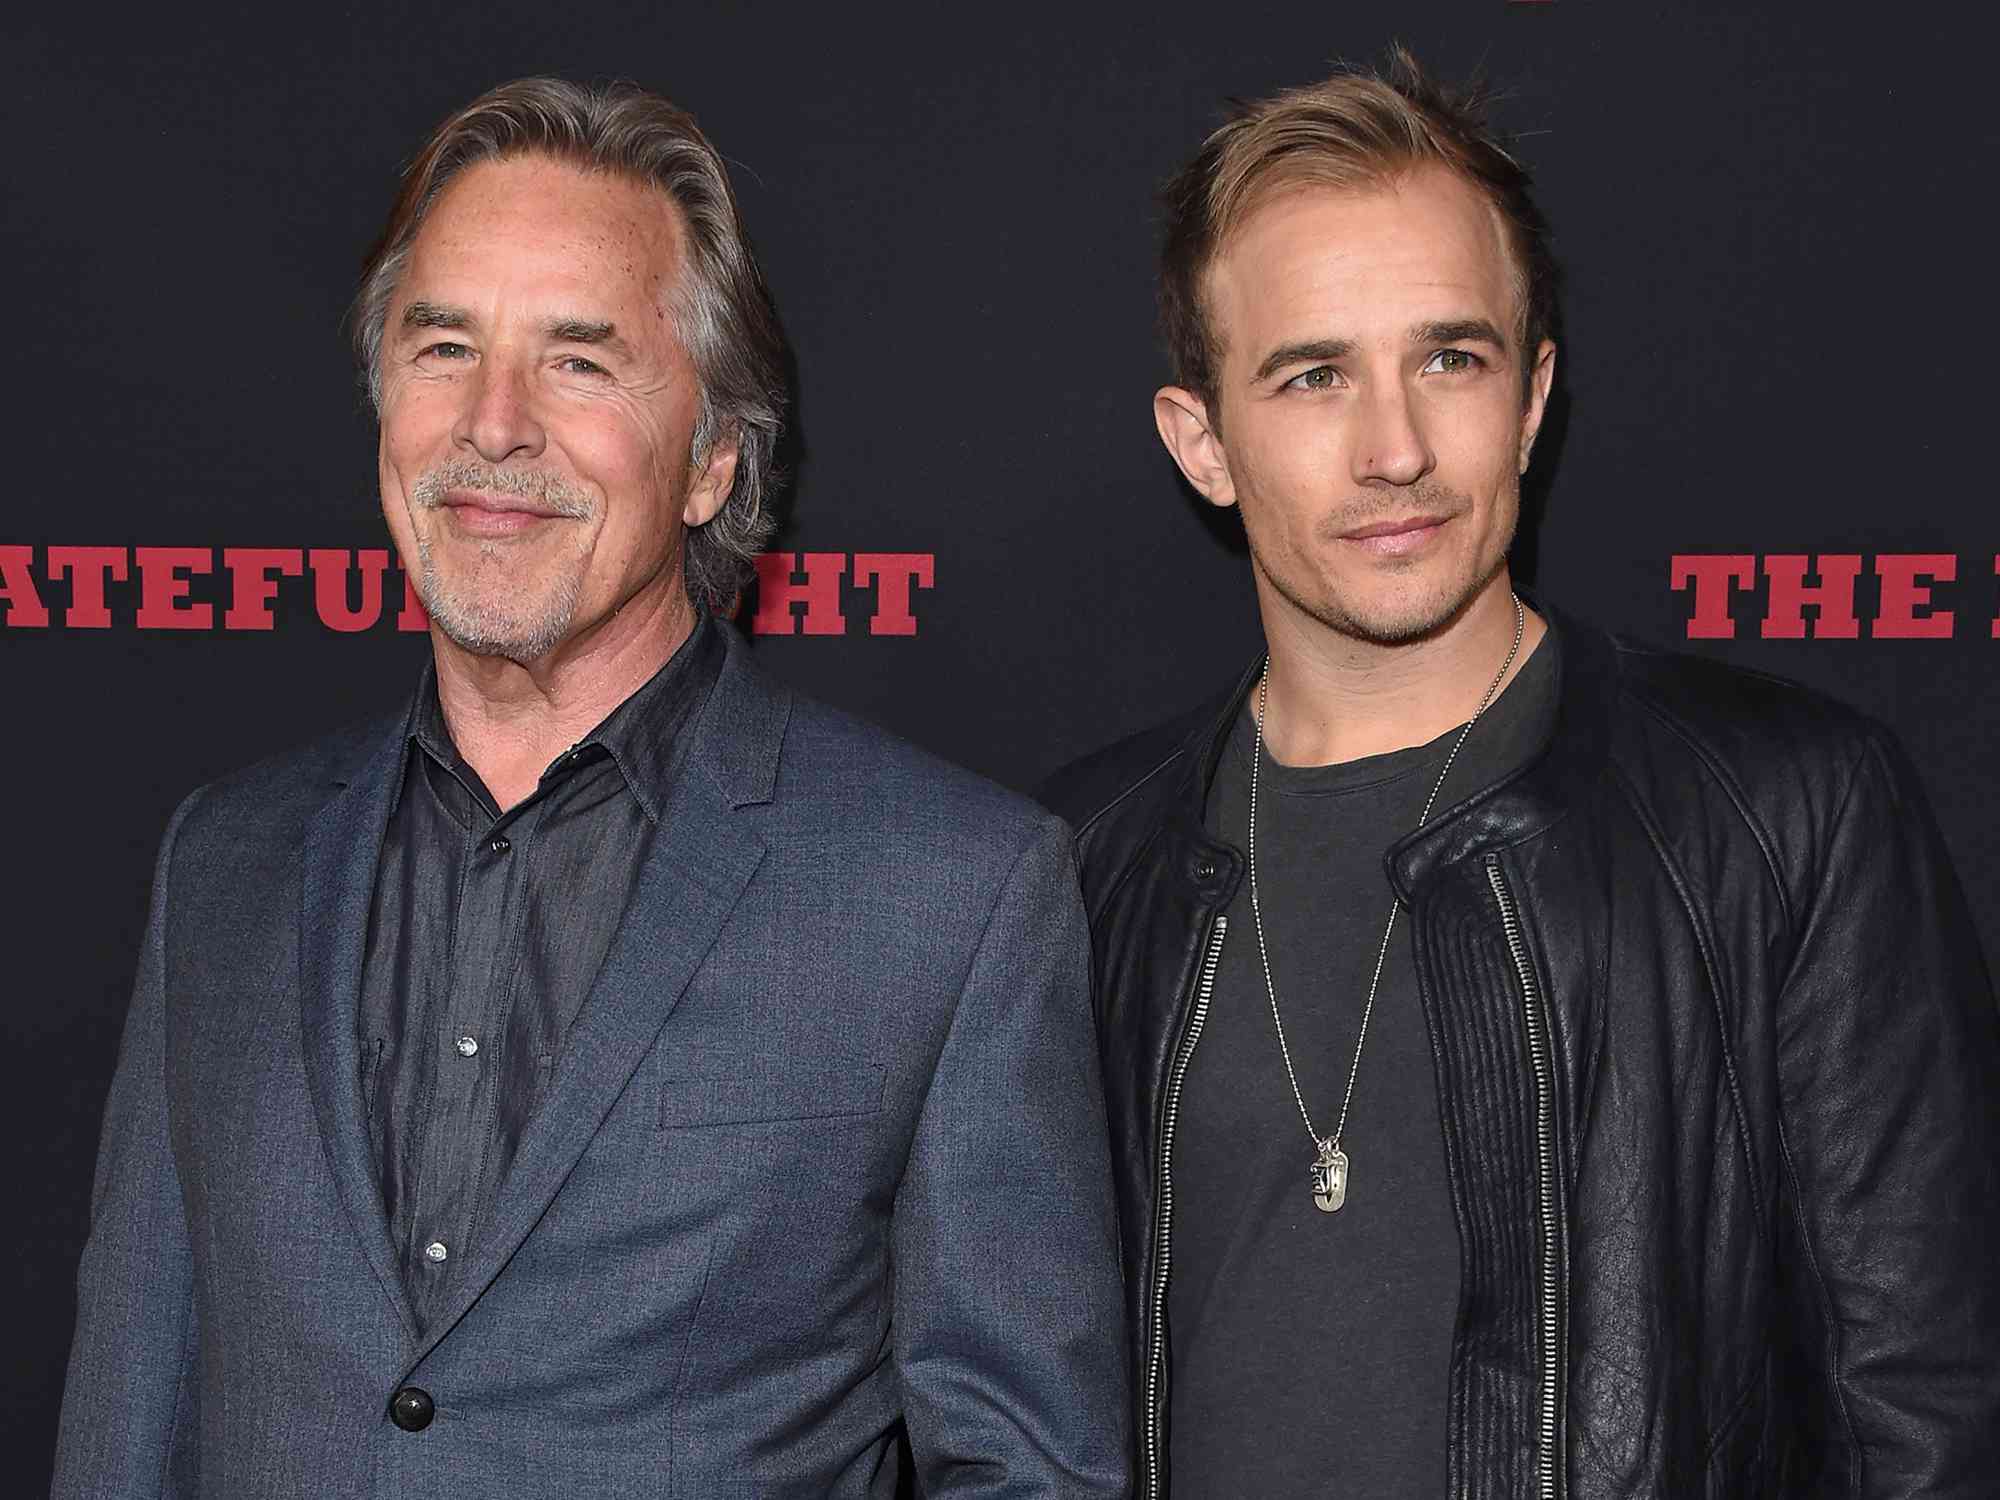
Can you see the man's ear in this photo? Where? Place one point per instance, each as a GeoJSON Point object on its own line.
{"type": "Point", "coordinates": [1541, 380]}
{"type": "Point", "coordinates": [712, 482]}
{"type": "Point", "coordinates": [1190, 436]}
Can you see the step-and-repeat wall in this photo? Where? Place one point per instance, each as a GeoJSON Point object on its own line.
{"type": "Point", "coordinates": [1770, 444]}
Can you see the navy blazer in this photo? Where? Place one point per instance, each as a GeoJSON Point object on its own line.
{"type": "Point", "coordinates": [825, 1150]}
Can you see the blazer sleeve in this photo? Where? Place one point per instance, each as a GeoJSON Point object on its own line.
{"type": "Point", "coordinates": [1008, 1316]}
{"type": "Point", "coordinates": [128, 1416]}
{"type": "Point", "coordinates": [1889, 1078]}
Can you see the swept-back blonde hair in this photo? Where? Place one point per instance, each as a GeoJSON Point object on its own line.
{"type": "Point", "coordinates": [1354, 131]}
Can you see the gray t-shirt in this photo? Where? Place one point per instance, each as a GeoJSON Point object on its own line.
{"type": "Point", "coordinates": [1311, 1350]}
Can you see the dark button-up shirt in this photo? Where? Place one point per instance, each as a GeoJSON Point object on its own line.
{"type": "Point", "coordinates": [486, 932]}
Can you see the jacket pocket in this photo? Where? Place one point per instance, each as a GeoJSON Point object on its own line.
{"type": "Point", "coordinates": [689, 1102]}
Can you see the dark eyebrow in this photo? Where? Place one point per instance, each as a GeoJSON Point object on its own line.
{"type": "Point", "coordinates": [435, 315]}
{"type": "Point", "coordinates": [581, 331]}
{"type": "Point", "coordinates": [1458, 331]}
{"type": "Point", "coordinates": [1316, 350]}
{"type": "Point", "coordinates": [591, 332]}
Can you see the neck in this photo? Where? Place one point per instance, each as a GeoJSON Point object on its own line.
{"type": "Point", "coordinates": [510, 719]}
{"type": "Point", "coordinates": [1334, 698]}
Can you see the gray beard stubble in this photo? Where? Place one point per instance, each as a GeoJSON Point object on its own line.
{"type": "Point", "coordinates": [475, 626]}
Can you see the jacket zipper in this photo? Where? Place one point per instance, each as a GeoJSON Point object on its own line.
{"type": "Point", "coordinates": [1163, 1219]}
{"type": "Point", "coordinates": [1548, 1246]}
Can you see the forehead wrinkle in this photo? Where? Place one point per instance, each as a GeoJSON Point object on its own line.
{"type": "Point", "coordinates": [624, 220]}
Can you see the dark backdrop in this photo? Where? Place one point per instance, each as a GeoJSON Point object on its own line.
{"type": "Point", "coordinates": [1776, 232]}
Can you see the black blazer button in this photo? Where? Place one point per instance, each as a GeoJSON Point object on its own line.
{"type": "Point", "coordinates": [411, 1408]}
{"type": "Point", "coordinates": [1205, 870]}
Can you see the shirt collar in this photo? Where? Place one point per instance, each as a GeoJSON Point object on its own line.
{"type": "Point", "coordinates": [642, 735]}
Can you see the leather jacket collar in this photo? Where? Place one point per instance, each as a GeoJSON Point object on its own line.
{"type": "Point", "coordinates": [1526, 802]}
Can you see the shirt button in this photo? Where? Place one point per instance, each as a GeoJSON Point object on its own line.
{"type": "Point", "coordinates": [499, 843]}
{"type": "Point", "coordinates": [435, 1252]}
{"type": "Point", "coordinates": [467, 1046]}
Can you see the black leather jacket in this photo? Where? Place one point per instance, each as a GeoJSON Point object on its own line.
{"type": "Point", "coordinates": [1719, 1079]}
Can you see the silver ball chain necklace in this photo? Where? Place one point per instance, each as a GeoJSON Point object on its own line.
{"type": "Point", "coordinates": [1329, 1168]}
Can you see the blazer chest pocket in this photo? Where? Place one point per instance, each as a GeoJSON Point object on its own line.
{"type": "Point", "coordinates": [692, 1102]}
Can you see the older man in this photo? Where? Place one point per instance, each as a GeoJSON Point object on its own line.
{"type": "Point", "coordinates": [614, 1074]}
{"type": "Point", "coordinates": [1629, 1127]}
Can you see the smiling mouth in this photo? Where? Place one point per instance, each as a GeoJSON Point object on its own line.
{"type": "Point", "coordinates": [497, 504]}
{"type": "Point", "coordinates": [487, 515]}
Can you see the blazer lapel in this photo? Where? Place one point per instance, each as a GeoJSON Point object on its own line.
{"type": "Point", "coordinates": [703, 857]}
{"type": "Point", "coordinates": [343, 843]}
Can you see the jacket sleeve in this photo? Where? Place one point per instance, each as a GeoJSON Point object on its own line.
{"type": "Point", "coordinates": [128, 1417]}
{"type": "Point", "coordinates": [1889, 1076]}
{"type": "Point", "coordinates": [1008, 1314]}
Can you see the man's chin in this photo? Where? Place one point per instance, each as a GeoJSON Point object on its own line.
{"type": "Point", "coordinates": [493, 632]}
{"type": "Point", "coordinates": [522, 651]}
{"type": "Point", "coordinates": [1390, 631]}
{"type": "Point", "coordinates": [1402, 621]}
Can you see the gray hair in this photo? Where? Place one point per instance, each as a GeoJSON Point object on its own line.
{"type": "Point", "coordinates": [721, 308]}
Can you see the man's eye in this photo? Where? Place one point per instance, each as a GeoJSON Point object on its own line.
{"type": "Point", "coordinates": [576, 364]}
{"type": "Point", "coordinates": [1318, 378]}
{"type": "Point", "coordinates": [1452, 362]}
{"type": "Point", "coordinates": [445, 350]}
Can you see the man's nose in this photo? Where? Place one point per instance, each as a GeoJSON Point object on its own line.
{"type": "Point", "coordinates": [499, 420]}
{"type": "Point", "coordinates": [1389, 442]}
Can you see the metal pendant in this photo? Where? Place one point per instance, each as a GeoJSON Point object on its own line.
{"type": "Point", "coordinates": [1330, 1178]}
